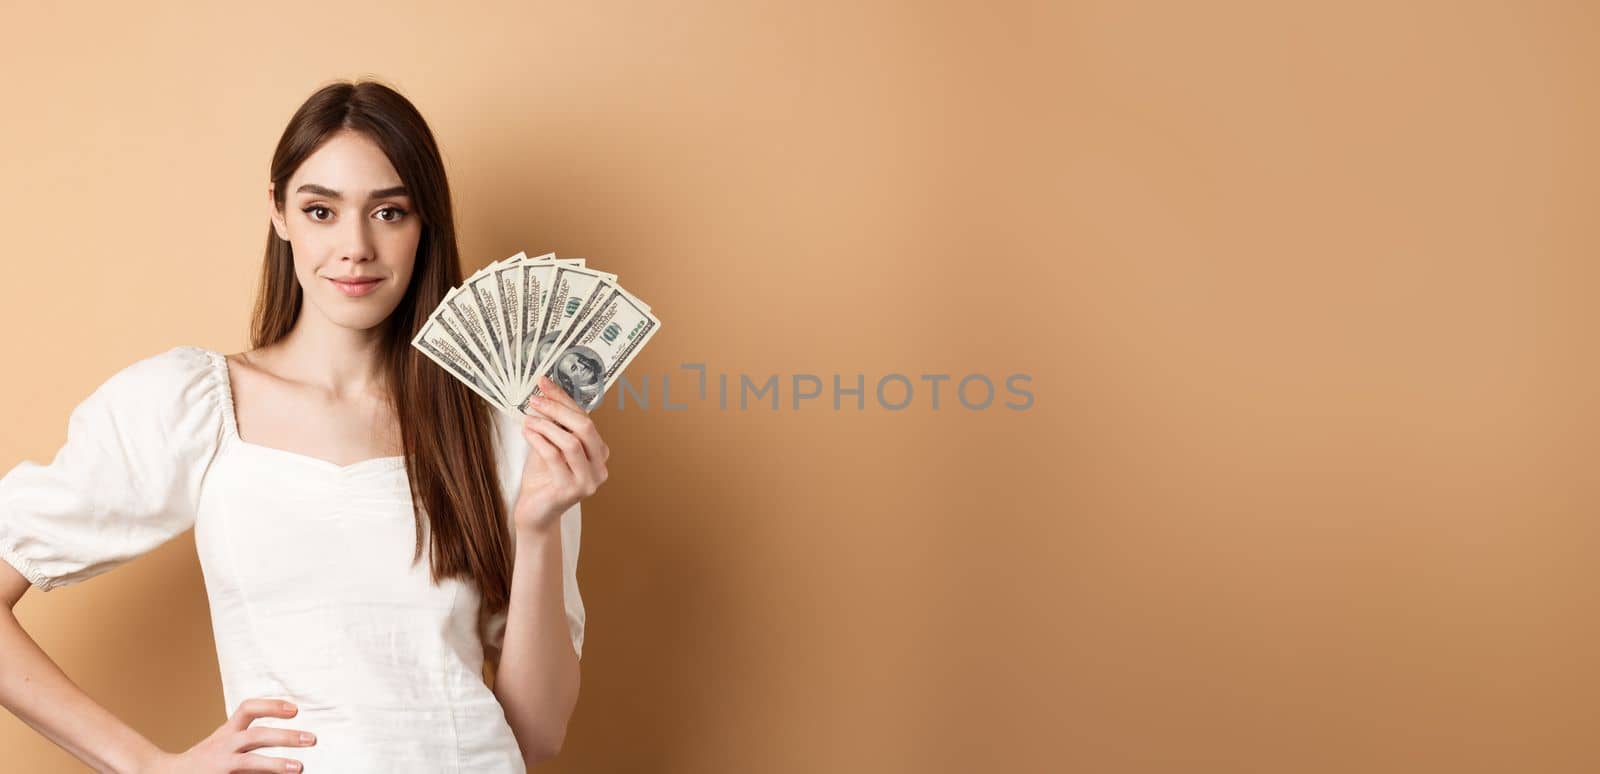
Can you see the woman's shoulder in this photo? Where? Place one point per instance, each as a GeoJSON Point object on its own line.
{"type": "Point", "coordinates": [155, 375]}
{"type": "Point", "coordinates": [177, 389]}
{"type": "Point", "coordinates": [173, 362]}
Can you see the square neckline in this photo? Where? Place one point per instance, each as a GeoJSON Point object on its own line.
{"type": "Point", "coordinates": [230, 424]}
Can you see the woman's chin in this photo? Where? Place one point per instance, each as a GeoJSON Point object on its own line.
{"type": "Point", "coordinates": [359, 319]}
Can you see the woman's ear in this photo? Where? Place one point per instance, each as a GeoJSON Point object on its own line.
{"type": "Point", "coordinates": [278, 223]}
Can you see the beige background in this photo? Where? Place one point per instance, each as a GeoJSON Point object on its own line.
{"type": "Point", "coordinates": [1306, 484]}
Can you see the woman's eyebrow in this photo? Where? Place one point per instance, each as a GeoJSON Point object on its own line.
{"type": "Point", "coordinates": [322, 190]}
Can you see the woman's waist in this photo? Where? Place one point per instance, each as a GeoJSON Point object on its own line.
{"type": "Point", "coordinates": [363, 736]}
{"type": "Point", "coordinates": [375, 688]}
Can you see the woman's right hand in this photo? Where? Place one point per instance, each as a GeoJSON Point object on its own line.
{"type": "Point", "coordinates": [226, 750]}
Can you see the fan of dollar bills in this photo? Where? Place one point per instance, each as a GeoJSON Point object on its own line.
{"type": "Point", "coordinates": [517, 318]}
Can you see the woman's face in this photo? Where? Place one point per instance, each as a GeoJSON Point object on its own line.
{"type": "Point", "coordinates": [346, 214]}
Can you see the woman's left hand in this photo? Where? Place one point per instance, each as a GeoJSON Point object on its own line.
{"type": "Point", "coordinates": [566, 459]}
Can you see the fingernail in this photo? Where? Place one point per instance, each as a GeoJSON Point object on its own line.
{"type": "Point", "coordinates": [292, 766]}
{"type": "Point", "coordinates": [307, 738]}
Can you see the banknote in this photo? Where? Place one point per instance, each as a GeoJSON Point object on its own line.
{"type": "Point", "coordinates": [445, 348]}
{"type": "Point", "coordinates": [527, 315]}
{"type": "Point", "coordinates": [590, 357]}
{"type": "Point", "coordinates": [571, 287]}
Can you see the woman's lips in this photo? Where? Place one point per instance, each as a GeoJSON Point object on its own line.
{"type": "Point", "coordinates": [356, 288]}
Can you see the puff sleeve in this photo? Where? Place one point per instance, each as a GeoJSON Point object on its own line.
{"type": "Point", "coordinates": [513, 454]}
{"type": "Point", "coordinates": [127, 479]}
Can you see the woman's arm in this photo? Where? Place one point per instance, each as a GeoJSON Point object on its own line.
{"type": "Point", "coordinates": [35, 689]}
{"type": "Point", "coordinates": [537, 678]}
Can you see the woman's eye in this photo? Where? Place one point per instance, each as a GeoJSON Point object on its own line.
{"type": "Point", "coordinates": [398, 214]}
{"type": "Point", "coordinates": [314, 208]}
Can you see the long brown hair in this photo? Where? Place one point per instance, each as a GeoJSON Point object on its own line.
{"type": "Point", "coordinates": [446, 428]}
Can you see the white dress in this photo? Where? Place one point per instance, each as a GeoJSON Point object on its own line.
{"type": "Point", "coordinates": [307, 564]}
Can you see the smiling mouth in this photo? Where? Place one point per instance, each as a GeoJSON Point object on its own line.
{"type": "Point", "coordinates": [356, 289]}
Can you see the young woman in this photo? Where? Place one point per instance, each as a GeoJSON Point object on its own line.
{"type": "Point", "coordinates": [356, 510]}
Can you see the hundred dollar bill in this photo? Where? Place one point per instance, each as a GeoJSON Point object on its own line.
{"type": "Point", "coordinates": [598, 294]}
{"type": "Point", "coordinates": [462, 310]}
{"type": "Point", "coordinates": [522, 316]}
{"type": "Point", "coordinates": [551, 339]}
{"type": "Point", "coordinates": [531, 294]}
{"type": "Point", "coordinates": [501, 284]}
{"type": "Point", "coordinates": [474, 341]}
{"type": "Point", "coordinates": [524, 290]}
{"type": "Point", "coordinates": [444, 321]}
{"type": "Point", "coordinates": [596, 351]}
{"type": "Point", "coordinates": [570, 287]}
{"type": "Point", "coordinates": [608, 275]}
{"type": "Point", "coordinates": [545, 343]}
{"type": "Point", "coordinates": [510, 298]}
{"type": "Point", "coordinates": [482, 288]}
{"type": "Point", "coordinates": [510, 306]}
{"type": "Point", "coordinates": [442, 348]}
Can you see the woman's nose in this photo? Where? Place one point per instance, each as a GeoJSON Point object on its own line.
{"type": "Point", "coordinates": [358, 245]}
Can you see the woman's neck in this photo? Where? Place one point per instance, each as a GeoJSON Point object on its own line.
{"type": "Point", "coordinates": [341, 361]}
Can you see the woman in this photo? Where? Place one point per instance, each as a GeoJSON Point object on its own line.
{"type": "Point", "coordinates": [356, 510]}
